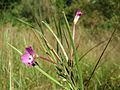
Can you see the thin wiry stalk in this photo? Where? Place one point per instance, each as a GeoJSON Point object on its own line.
{"type": "Point", "coordinates": [39, 24]}
{"type": "Point", "coordinates": [60, 31]}
{"type": "Point", "coordinates": [58, 34]}
{"type": "Point", "coordinates": [111, 50]}
{"type": "Point", "coordinates": [35, 16]}
{"type": "Point", "coordinates": [46, 59]}
{"type": "Point", "coordinates": [91, 50]}
{"type": "Point", "coordinates": [41, 44]}
{"type": "Point", "coordinates": [87, 83]}
{"type": "Point", "coordinates": [65, 36]}
{"type": "Point", "coordinates": [78, 44]}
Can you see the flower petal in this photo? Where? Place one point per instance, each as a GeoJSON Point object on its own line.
{"type": "Point", "coordinates": [27, 59]}
{"type": "Point", "coordinates": [79, 13]}
{"type": "Point", "coordinates": [77, 16]}
{"type": "Point", "coordinates": [30, 50]}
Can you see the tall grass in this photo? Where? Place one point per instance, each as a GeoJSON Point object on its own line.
{"type": "Point", "coordinates": [22, 77]}
{"type": "Point", "coordinates": [54, 43]}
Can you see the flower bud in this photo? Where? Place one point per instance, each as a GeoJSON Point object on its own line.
{"type": "Point", "coordinates": [77, 16]}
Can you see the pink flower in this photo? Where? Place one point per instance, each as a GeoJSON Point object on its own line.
{"type": "Point", "coordinates": [29, 57]}
{"type": "Point", "coordinates": [77, 16]}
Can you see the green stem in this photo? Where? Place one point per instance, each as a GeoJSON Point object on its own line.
{"type": "Point", "coordinates": [79, 71]}
{"type": "Point", "coordinates": [62, 48]}
{"type": "Point", "coordinates": [10, 75]}
{"type": "Point", "coordinates": [51, 78]}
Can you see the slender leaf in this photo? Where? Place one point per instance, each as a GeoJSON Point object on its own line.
{"type": "Point", "coordinates": [15, 48]}
{"type": "Point", "coordinates": [56, 39]}
{"type": "Point", "coordinates": [79, 71]}
{"type": "Point", "coordinates": [51, 78]}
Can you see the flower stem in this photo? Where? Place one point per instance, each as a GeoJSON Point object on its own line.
{"type": "Point", "coordinates": [73, 37]}
{"type": "Point", "coordinates": [48, 76]}
{"type": "Point", "coordinates": [46, 59]}
{"type": "Point", "coordinates": [56, 55]}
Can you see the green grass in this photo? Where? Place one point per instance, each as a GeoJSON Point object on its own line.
{"type": "Point", "coordinates": [52, 38]}
{"type": "Point", "coordinates": [15, 75]}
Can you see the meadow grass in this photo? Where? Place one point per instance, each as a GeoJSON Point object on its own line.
{"type": "Point", "coordinates": [16, 76]}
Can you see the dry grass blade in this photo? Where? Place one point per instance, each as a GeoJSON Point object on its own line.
{"type": "Point", "coordinates": [87, 83]}
{"type": "Point", "coordinates": [91, 50]}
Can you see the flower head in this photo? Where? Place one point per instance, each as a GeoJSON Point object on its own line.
{"type": "Point", "coordinates": [30, 50]}
{"type": "Point", "coordinates": [77, 16]}
{"type": "Point", "coordinates": [29, 57]}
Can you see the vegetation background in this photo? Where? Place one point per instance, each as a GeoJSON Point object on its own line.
{"type": "Point", "coordinates": [99, 19]}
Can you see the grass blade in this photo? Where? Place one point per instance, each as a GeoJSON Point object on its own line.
{"type": "Point", "coordinates": [63, 50]}
{"type": "Point", "coordinates": [79, 71]}
{"type": "Point", "coordinates": [24, 22]}
{"type": "Point", "coordinates": [90, 50]}
{"type": "Point", "coordinates": [51, 78]}
{"type": "Point", "coordinates": [49, 48]}
{"type": "Point", "coordinates": [15, 48]}
{"type": "Point", "coordinates": [100, 57]}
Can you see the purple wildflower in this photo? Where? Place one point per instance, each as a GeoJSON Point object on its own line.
{"type": "Point", "coordinates": [30, 50]}
{"type": "Point", "coordinates": [29, 57]}
{"type": "Point", "coordinates": [77, 16]}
